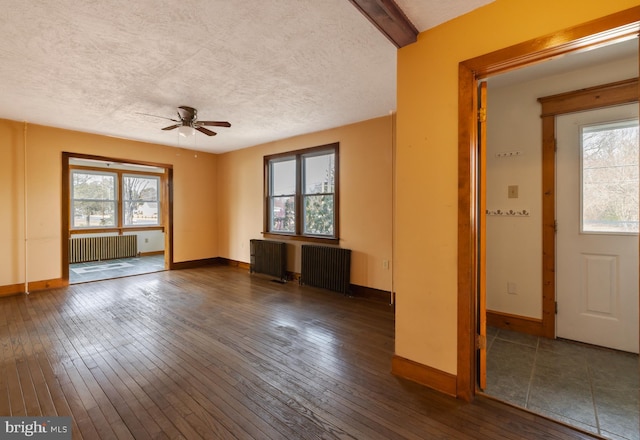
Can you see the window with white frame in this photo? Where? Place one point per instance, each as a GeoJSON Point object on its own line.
{"type": "Point", "coordinates": [140, 200]}
{"type": "Point", "coordinates": [103, 199]}
{"type": "Point", "coordinates": [94, 199]}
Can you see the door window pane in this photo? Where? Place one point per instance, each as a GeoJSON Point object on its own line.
{"type": "Point", "coordinates": [610, 177]}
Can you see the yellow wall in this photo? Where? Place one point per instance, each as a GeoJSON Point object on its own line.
{"type": "Point", "coordinates": [195, 196]}
{"type": "Point", "coordinates": [217, 198]}
{"type": "Point", "coordinates": [427, 160]}
{"type": "Point", "coordinates": [366, 150]}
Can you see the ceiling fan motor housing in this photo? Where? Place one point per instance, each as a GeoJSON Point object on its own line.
{"type": "Point", "coordinates": [187, 115]}
{"type": "Point", "coordinates": [189, 118]}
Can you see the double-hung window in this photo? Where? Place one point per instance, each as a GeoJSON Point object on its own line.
{"type": "Point", "coordinates": [301, 193]}
{"type": "Point", "coordinates": [114, 200]}
{"type": "Point", "coordinates": [140, 200]}
{"type": "Point", "coordinates": [94, 199]}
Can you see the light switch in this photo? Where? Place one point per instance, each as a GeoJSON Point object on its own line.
{"type": "Point", "coordinates": [512, 191]}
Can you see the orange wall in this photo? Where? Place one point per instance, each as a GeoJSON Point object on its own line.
{"type": "Point", "coordinates": [427, 160]}
{"type": "Point", "coordinates": [195, 196]}
{"type": "Point", "coordinates": [366, 150]}
{"type": "Point", "coordinates": [217, 198]}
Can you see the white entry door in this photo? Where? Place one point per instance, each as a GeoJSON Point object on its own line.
{"type": "Point", "coordinates": [597, 227]}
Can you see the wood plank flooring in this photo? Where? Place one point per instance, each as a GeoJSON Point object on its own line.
{"type": "Point", "coordinates": [218, 353]}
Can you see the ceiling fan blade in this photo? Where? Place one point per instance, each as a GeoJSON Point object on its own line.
{"type": "Point", "coordinates": [159, 117]}
{"type": "Point", "coordinates": [214, 123]}
{"type": "Point", "coordinates": [171, 127]}
{"type": "Point", "coordinates": [205, 131]}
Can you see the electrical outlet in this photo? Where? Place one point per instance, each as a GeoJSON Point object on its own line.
{"type": "Point", "coordinates": [512, 191]}
{"type": "Point", "coordinates": [512, 288]}
{"type": "Point", "coordinates": [385, 264]}
{"type": "Point", "coordinates": [146, 240]}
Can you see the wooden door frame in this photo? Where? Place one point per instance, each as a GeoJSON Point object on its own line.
{"type": "Point", "coordinates": [167, 207]}
{"type": "Point", "coordinates": [613, 28]}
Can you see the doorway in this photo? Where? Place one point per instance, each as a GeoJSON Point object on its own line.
{"type": "Point", "coordinates": [116, 218]}
{"type": "Point", "coordinates": [615, 28]}
{"type": "Point", "coordinates": [560, 379]}
{"type": "Point", "coordinates": [597, 246]}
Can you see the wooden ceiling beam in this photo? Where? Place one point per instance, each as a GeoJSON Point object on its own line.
{"type": "Point", "coordinates": [389, 19]}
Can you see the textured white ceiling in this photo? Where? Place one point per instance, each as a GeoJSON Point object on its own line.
{"type": "Point", "coordinates": [274, 69]}
{"type": "Point", "coordinates": [430, 13]}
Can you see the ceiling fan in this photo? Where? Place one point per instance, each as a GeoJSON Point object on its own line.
{"type": "Point", "coordinates": [188, 122]}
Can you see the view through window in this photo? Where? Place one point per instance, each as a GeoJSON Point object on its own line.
{"type": "Point", "coordinates": [301, 193]}
{"type": "Point", "coordinates": [610, 177]}
{"type": "Point", "coordinates": [96, 201]}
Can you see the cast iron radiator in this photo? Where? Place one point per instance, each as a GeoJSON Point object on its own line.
{"type": "Point", "coordinates": [326, 267]}
{"type": "Point", "coordinates": [269, 257]}
{"type": "Point", "coordinates": [102, 248]}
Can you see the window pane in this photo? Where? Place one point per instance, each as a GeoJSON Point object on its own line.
{"type": "Point", "coordinates": [141, 213]}
{"type": "Point", "coordinates": [318, 215]}
{"type": "Point", "coordinates": [93, 214]}
{"type": "Point", "coordinates": [283, 177]}
{"type": "Point", "coordinates": [93, 186]}
{"type": "Point", "coordinates": [283, 214]}
{"type": "Point", "coordinates": [140, 195]}
{"type": "Point", "coordinates": [93, 203]}
{"type": "Point", "coordinates": [610, 177]}
{"type": "Point", "coordinates": [319, 174]}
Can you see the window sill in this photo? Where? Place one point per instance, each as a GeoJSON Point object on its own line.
{"type": "Point", "coordinates": [307, 238]}
{"type": "Point", "coordinates": [115, 229]}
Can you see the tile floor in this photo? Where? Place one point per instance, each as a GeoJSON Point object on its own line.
{"type": "Point", "coordinates": [592, 388]}
{"type": "Point", "coordinates": [122, 267]}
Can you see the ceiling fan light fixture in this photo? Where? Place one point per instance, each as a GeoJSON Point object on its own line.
{"type": "Point", "coordinates": [186, 131]}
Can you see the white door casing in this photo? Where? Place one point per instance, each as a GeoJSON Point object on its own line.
{"type": "Point", "coordinates": [596, 273]}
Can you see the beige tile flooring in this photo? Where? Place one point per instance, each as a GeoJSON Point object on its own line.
{"type": "Point", "coordinates": [592, 388]}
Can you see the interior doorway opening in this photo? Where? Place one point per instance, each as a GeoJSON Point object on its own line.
{"type": "Point", "coordinates": [116, 218]}
{"type": "Point", "coordinates": [471, 341]}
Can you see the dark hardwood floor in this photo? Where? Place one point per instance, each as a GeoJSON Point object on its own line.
{"type": "Point", "coordinates": [218, 353]}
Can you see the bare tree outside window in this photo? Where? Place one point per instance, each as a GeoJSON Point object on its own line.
{"type": "Point", "coordinates": [96, 202]}
{"type": "Point", "coordinates": [140, 195]}
{"type": "Point", "coordinates": [610, 177]}
{"type": "Point", "coordinates": [93, 199]}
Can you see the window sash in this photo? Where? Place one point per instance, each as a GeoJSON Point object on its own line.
{"type": "Point", "coordinates": [117, 204]}
{"type": "Point", "coordinates": [322, 195]}
{"type": "Point", "coordinates": [144, 213]}
{"type": "Point", "coordinates": [99, 212]}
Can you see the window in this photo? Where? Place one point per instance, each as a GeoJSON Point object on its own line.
{"type": "Point", "coordinates": [93, 199]}
{"type": "Point", "coordinates": [140, 196]}
{"type": "Point", "coordinates": [610, 177]}
{"type": "Point", "coordinates": [101, 199]}
{"type": "Point", "coordinates": [301, 193]}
